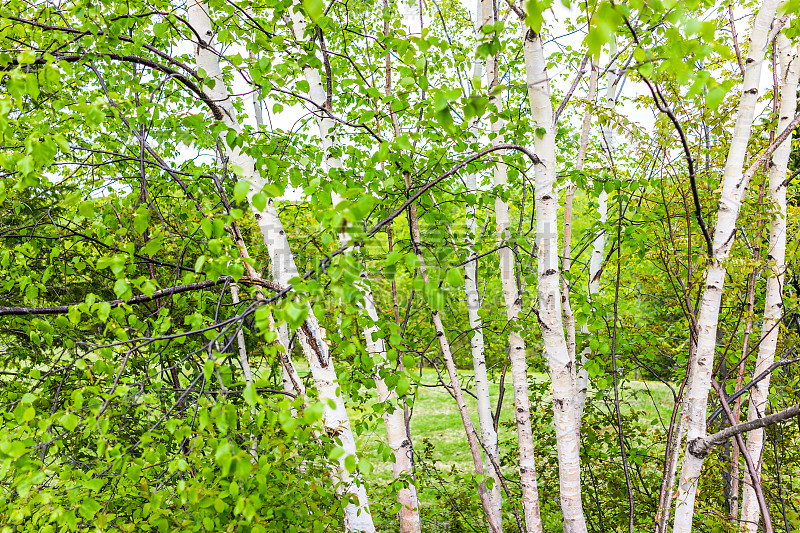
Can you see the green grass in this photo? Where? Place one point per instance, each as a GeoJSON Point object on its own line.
{"type": "Point", "coordinates": [436, 418]}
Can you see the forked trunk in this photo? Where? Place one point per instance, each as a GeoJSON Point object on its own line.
{"type": "Point", "coordinates": [733, 188]}
{"type": "Point", "coordinates": [773, 306]}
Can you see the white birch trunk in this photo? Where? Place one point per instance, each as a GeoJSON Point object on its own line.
{"type": "Point", "coordinates": [485, 419]}
{"type": "Point", "coordinates": [598, 253]}
{"type": "Point", "coordinates": [398, 438]}
{"type": "Point", "coordinates": [569, 316]}
{"type": "Point", "coordinates": [357, 515]}
{"type": "Point", "coordinates": [773, 306]}
{"type": "Point", "coordinates": [447, 355]}
{"type": "Point", "coordinates": [733, 189]}
{"type": "Point", "coordinates": [513, 301]}
{"type": "Point", "coordinates": [558, 358]}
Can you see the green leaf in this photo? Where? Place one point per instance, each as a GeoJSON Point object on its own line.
{"type": "Point", "coordinates": [250, 395]}
{"type": "Point", "coordinates": [455, 277]}
{"type": "Point", "coordinates": [335, 453]}
{"type": "Point", "coordinates": [28, 398]}
{"type": "Point", "coordinates": [74, 314]}
{"type": "Point", "coordinates": [350, 463]}
{"type": "Point", "coordinates": [122, 288]}
{"type": "Point", "coordinates": [141, 220]}
{"type": "Point", "coordinates": [26, 165]}
{"type": "Point", "coordinates": [259, 201]}
{"type": "Point", "coordinates": [240, 190]}
{"type": "Point", "coordinates": [314, 8]}
{"type": "Point", "coordinates": [104, 308]}
{"type": "Point", "coordinates": [69, 421]}
{"type": "Point", "coordinates": [28, 57]}
{"type": "Point", "coordinates": [89, 508]}
{"type": "Point", "coordinates": [296, 314]}
{"type": "Point", "coordinates": [208, 369]}
{"type": "Point", "coordinates": [364, 466]}
{"type": "Point", "coordinates": [86, 209]}
{"type": "Point", "coordinates": [403, 386]}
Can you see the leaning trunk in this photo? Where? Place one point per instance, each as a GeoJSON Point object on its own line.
{"type": "Point", "coordinates": [335, 418]}
{"type": "Point", "coordinates": [733, 189]}
{"type": "Point", "coordinates": [399, 440]}
{"type": "Point", "coordinates": [455, 385]}
{"type": "Point", "coordinates": [773, 307]}
{"type": "Point", "coordinates": [488, 433]}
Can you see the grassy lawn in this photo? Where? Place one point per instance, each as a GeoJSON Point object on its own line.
{"type": "Point", "coordinates": [436, 418]}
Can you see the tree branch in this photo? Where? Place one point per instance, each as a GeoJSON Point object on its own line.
{"type": "Point", "coordinates": [142, 298]}
{"type": "Point", "coordinates": [702, 446]}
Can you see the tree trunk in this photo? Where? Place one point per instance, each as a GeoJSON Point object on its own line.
{"type": "Point", "coordinates": [599, 245]}
{"type": "Point", "coordinates": [335, 418]}
{"type": "Point", "coordinates": [569, 317]}
{"type": "Point", "coordinates": [399, 440]}
{"type": "Point", "coordinates": [773, 306]}
{"type": "Point", "coordinates": [455, 385]}
{"type": "Point", "coordinates": [558, 358]}
{"type": "Point", "coordinates": [488, 433]}
{"type": "Point", "coordinates": [733, 188]}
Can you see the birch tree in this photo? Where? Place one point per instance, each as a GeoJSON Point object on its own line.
{"type": "Point", "coordinates": [549, 296]}
{"type": "Point", "coordinates": [486, 421]}
{"type": "Point", "coordinates": [219, 316]}
{"type": "Point", "coordinates": [733, 189]}
{"type": "Point", "coordinates": [773, 306]}
{"type": "Point", "coordinates": [357, 515]}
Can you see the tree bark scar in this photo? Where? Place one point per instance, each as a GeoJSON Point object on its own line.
{"type": "Point", "coordinates": [697, 449]}
{"type": "Point", "coordinates": [313, 343]}
{"type": "Point", "coordinates": [754, 90]}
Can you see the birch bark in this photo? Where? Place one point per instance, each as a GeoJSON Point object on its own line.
{"type": "Point", "coordinates": [488, 433]}
{"type": "Point", "coordinates": [599, 245]}
{"type": "Point", "coordinates": [447, 355]}
{"type": "Point", "coordinates": [335, 418]}
{"type": "Point", "coordinates": [549, 293]}
{"type": "Point", "coordinates": [569, 317]}
{"type": "Point", "coordinates": [734, 186]}
{"type": "Point", "coordinates": [773, 306]}
{"type": "Point", "coordinates": [513, 301]}
{"type": "Point", "coordinates": [398, 438]}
